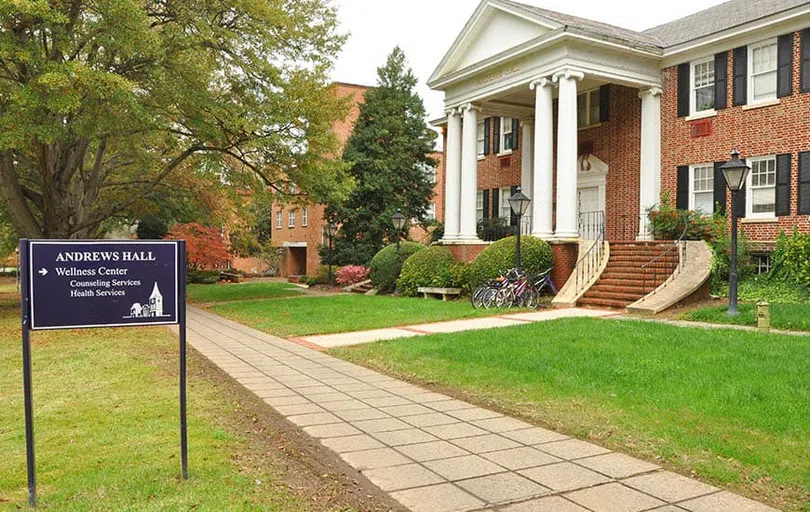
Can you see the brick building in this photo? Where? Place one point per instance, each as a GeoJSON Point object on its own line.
{"type": "Point", "coordinates": [594, 121]}
{"type": "Point", "coordinates": [299, 231]}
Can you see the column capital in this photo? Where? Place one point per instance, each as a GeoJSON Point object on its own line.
{"type": "Point", "coordinates": [452, 111]}
{"type": "Point", "coordinates": [468, 107]}
{"type": "Point", "coordinates": [568, 74]}
{"type": "Point", "coordinates": [541, 82]}
{"type": "Point", "coordinates": [651, 91]}
{"type": "Point", "coordinates": [527, 121]}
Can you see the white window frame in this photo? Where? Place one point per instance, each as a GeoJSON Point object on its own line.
{"type": "Point", "coordinates": [479, 206]}
{"type": "Point", "coordinates": [693, 106]}
{"type": "Point", "coordinates": [291, 219]}
{"type": "Point", "coordinates": [305, 217]}
{"type": "Point", "coordinates": [481, 138]}
{"type": "Point", "coordinates": [749, 189]}
{"type": "Point", "coordinates": [692, 190]}
{"type": "Point", "coordinates": [504, 206]}
{"type": "Point", "coordinates": [588, 121]}
{"type": "Point", "coordinates": [431, 212]}
{"type": "Point", "coordinates": [506, 122]}
{"type": "Point", "coordinates": [775, 71]}
{"type": "Point", "coordinates": [279, 220]}
{"type": "Point", "coordinates": [763, 263]}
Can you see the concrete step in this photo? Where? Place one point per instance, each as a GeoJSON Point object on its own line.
{"type": "Point", "coordinates": [634, 288]}
{"type": "Point", "coordinates": [603, 303]}
{"type": "Point", "coordinates": [633, 281]}
{"type": "Point", "coordinates": [610, 295]}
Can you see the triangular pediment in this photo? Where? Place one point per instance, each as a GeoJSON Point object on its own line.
{"type": "Point", "coordinates": [494, 28]}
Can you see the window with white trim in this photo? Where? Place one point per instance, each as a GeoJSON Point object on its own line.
{"type": "Point", "coordinates": [279, 221]}
{"type": "Point", "coordinates": [588, 108]}
{"type": "Point", "coordinates": [430, 172]}
{"type": "Point", "coordinates": [304, 217]}
{"type": "Point", "coordinates": [762, 64]}
{"type": "Point", "coordinates": [481, 138]}
{"type": "Point", "coordinates": [762, 263]}
{"type": "Point", "coordinates": [431, 212]}
{"type": "Point", "coordinates": [702, 85]}
{"type": "Point", "coordinates": [503, 205]}
{"type": "Point", "coordinates": [701, 188]}
{"type": "Point", "coordinates": [479, 206]}
{"type": "Point", "coordinates": [291, 219]}
{"type": "Point", "coordinates": [507, 137]}
{"type": "Point", "coordinates": [761, 187]}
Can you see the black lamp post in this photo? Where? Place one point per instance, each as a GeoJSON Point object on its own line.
{"type": "Point", "coordinates": [735, 171]}
{"type": "Point", "coordinates": [331, 230]}
{"type": "Point", "coordinates": [399, 221]}
{"type": "Point", "coordinates": [519, 203]}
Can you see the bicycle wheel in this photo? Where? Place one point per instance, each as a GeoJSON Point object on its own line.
{"type": "Point", "coordinates": [477, 297]}
{"type": "Point", "coordinates": [505, 297]}
{"type": "Point", "coordinates": [488, 298]}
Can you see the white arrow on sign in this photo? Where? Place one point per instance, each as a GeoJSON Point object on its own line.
{"type": "Point", "coordinates": [43, 272]}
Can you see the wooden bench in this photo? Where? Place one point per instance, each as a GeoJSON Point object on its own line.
{"type": "Point", "coordinates": [427, 292]}
{"type": "Point", "coordinates": [230, 276]}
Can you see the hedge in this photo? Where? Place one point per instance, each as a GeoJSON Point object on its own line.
{"type": "Point", "coordinates": [386, 265]}
{"type": "Point", "coordinates": [430, 267]}
{"type": "Point", "coordinates": [499, 257]}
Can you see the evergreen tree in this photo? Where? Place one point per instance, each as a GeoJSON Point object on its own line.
{"type": "Point", "coordinates": [388, 152]}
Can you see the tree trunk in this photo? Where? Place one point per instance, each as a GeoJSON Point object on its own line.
{"type": "Point", "coordinates": [21, 216]}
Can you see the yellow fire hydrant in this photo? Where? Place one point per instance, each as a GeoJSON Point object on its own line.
{"type": "Point", "coordinates": [763, 316]}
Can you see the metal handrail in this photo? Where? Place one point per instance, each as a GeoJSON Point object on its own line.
{"type": "Point", "coordinates": [678, 247]}
{"type": "Point", "coordinates": [590, 261]}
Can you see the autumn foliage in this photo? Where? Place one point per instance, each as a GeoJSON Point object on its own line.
{"type": "Point", "coordinates": [205, 247]}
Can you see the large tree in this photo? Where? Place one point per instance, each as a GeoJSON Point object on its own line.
{"type": "Point", "coordinates": [102, 100]}
{"type": "Point", "coordinates": [389, 152]}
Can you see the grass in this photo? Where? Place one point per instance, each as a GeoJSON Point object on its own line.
{"type": "Point", "coordinates": [733, 407]}
{"type": "Point", "coordinates": [209, 293]}
{"type": "Point", "coordinates": [789, 317]}
{"type": "Point", "coordinates": [106, 423]}
{"type": "Point", "coordinates": [343, 313]}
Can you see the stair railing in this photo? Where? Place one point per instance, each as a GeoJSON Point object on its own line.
{"type": "Point", "coordinates": [591, 228]}
{"type": "Point", "coordinates": [674, 255]}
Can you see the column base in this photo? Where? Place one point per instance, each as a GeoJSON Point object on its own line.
{"type": "Point", "coordinates": [543, 235]}
{"type": "Point", "coordinates": [467, 240]}
{"type": "Point", "coordinates": [565, 238]}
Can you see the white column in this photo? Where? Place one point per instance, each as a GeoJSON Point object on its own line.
{"type": "Point", "coordinates": [567, 149]}
{"type": "Point", "coordinates": [526, 165]}
{"type": "Point", "coordinates": [650, 177]}
{"type": "Point", "coordinates": [543, 180]}
{"type": "Point", "coordinates": [469, 173]}
{"type": "Point", "coordinates": [452, 178]}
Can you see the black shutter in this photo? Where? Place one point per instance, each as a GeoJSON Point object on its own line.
{"type": "Point", "coordinates": [683, 89]}
{"type": "Point", "coordinates": [496, 134]}
{"type": "Point", "coordinates": [604, 103]}
{"type": "Point", "coordinates": [740, 75]}
{"type": "Point", "coordinates": [784, 69]}
{"type": "Point", "coordinates": [682, 193]}
{"type": "Point", "coordinates": [486, 203]}
{"type": "Point", "coordinates": [741, 199]}
{"type": "Point", "coordinates": [783, 185]}
{"type": "Point", "coordinates": [719, 189]}
{"type": "Point", "coordinates": [805, 61]}
{"type": "Point", "coordinates": [720, 81]}
{"type": "Point", "coordinates": [804, 183]}
{"type": "Point", "coordinates": [515, 133]}
{"type": "Point", "coordinates": [487, 123]}
{"type": "Point", "coordinates": [496, 202]}
{"type": "Point", "coordinates": [513, 220]}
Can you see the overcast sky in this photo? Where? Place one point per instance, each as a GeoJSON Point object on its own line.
{"type": "Point", "coordinates": [425, 29]}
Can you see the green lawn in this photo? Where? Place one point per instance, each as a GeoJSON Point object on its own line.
{"type": "Point", "coordinates": [343, 313]}
{"type": "Point", "coordinates": [106, 420]}
{"type": "Point", "coordinates": [208, 293]}
{"type": "Point", "coordinates": [790, 317]}
{"type": "Point", "coordinates": [732, 406]}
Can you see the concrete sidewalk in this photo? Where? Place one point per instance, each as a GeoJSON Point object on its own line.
{"type": "Point", "coordinates": [433, 453]}
{"type": "Point", "coordinates": [470, 324]}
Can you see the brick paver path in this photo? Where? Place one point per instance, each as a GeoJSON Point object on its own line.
{"type": "Point", "coordinates": [433, 453]}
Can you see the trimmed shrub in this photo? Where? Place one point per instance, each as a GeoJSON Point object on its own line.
{"type": "Point", "coordinates": [430, 267]}
{"type": "Point", "coordinates": [791, 258]}
{"type": "Point", "coordinates": [352, 274]}
{"type": "Point", "coordinates": [202, 276]}
{"type": "Point", "coordinates": [387, 264]}
{"type": "Point", "coordinates": [322, 277]}
{"type": "Point", "coordinates": [498, 258]}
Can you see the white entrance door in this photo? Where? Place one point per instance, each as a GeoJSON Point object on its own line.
{"type": "Point", "coordinates": [590, 207]}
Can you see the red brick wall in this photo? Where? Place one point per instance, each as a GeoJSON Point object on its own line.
{"type": "Point", "coordinates": [467, 253]}
{"type": "Point", "coordinates": [782, 128]}
{"type": "Point", "coordinates": [564, 259]}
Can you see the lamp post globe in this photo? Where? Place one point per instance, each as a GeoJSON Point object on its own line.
{"type": "Point", "coordinates": [735, 172]}
{"type": "Point", "coordinates": [520, 205]}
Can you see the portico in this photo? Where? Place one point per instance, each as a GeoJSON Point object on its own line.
{"type": "Point", "coordinates": [589, 116]}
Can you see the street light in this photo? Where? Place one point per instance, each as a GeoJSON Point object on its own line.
{"type": "Point", "coordinates": [735, 171]}
{"type": "Point", "coordinates": [520, 204]}
{"type": "Point", "coordinates": [331, 230]}
{"type": "Point", "coordinates": [399, 221]}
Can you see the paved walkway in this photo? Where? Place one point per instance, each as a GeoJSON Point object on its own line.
{"type": "Point", "coordinates": [433, 453]}
{"type": "Point", "coordinates": [470, 324]}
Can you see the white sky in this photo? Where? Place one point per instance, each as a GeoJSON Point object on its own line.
{"type": "Point", "coordinates": [425, 29]}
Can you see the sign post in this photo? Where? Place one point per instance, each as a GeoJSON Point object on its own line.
{"type": "Point", "coordinates": [72, 284]}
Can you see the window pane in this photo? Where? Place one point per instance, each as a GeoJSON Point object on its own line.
{"type": "Point", "coordinates": [763, 200]}
{"type": "Point", "coordinates": [764, 58]}
{"type": "Point", "coordinates": [506, 125]}
{"type": "Point", "coordinates": [704, 98]}
{"type": "Point", "coordinates": [703, 179]}
{"type": "Point", "coordinates": [704, 74]}
{"type": "Point", "coordinates": [704, 202]}
{"type": "Point", "coordinates": [506, 209]}
{"type": "Point", "coordinates": [582, 111]}
{"type": "Point", "coordinates": [594, 110]}
{"type": "Point", "coordinates": [764, 86]}
{"type": "Point", "coordinates": [507, 142]}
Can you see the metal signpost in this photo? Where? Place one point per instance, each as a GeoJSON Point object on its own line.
{"type": "Point", "coordinates": [75, 284]}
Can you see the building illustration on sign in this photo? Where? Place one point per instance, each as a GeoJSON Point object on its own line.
{"type": "Point", "coordinates": [152, 309]}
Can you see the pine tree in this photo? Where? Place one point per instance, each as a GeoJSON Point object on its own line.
{"type": "Point", "coordinates": [388, 152]}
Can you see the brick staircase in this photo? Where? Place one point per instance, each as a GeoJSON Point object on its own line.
{"type": "Point", "coordinates": [622, 281]}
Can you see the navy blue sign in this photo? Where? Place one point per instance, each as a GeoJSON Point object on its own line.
{"type": "Point", "coordinates": [103, 283]}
